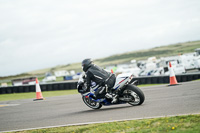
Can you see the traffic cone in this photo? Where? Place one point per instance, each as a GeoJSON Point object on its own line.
{"type": "Point", "coordinates": [38, 91]}
{"type": "Point", "coordinates": [173, 80]}
{"type": "Point", "coordinates": [112, 71]}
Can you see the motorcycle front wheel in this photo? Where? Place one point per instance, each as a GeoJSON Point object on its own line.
{"type": "Point", "coordinates": [90, 103]}
{"type": "Point", "coordinates": [137, 96]}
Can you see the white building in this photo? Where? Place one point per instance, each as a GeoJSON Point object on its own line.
{"type": "Point", "coordinates": [61, 73]}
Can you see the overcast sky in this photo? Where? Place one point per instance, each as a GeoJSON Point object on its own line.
{"type": "Point", "coordinates": [36, 34]}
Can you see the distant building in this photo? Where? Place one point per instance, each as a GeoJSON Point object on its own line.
{"type": "Point", "coordinates": [23, 81]}
{"type": "Point", "coordinates": [61, 73]}
{"type": "Point", "coordinates": [4, 84]}
{"type": "Point", "coordinates": [197, 51]}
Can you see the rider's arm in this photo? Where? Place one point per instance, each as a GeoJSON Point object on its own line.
{"type": "Point", "coordinates": [88, 79]}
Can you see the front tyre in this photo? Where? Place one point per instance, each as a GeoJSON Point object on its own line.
{"type": "Point", "coordinates": [90, 103]}
{"type": "Point", "coordinates": [137, 96]}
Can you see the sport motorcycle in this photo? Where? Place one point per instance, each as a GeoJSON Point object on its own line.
{"type": "Point", "coordinates": [127, 92]}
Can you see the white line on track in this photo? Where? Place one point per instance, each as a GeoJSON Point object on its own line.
{"type": "Point", "coordinates": [4, 105]}
{"type": "Point", "coordinates": [87, 123]}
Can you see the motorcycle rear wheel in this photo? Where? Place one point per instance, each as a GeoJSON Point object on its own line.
{"type": "Point", "coordinates": [90, 103]}
{"type": "Point", "coordinates": [136, 95]}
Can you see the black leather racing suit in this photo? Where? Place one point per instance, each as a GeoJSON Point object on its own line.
{"type": "Point", "coordinates": [101, 78]}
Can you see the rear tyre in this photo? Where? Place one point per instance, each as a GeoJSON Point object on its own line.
{"type": "Point", "coordinates": [137, 96]}
{"type": "Point", "coordinates": [90, 103]}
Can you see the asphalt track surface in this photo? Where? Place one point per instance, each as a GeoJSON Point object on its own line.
{"type": "Point", "coordinates": [160, 100]}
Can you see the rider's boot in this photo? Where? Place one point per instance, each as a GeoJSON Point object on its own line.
{"type": "Point", "coordinates": [114, 98]}
{"type": "Point", "coordinates": [109, 96]}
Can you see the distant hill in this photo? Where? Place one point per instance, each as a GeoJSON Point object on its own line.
{"type": "Point", "coordinates": [163, 51]}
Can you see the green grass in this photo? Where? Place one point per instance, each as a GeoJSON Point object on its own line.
{"type": "Point", "coordinates": [18, 96]}
{"type": "Point", "coordinates": [57, 79]}
{"type": "Point", "coordinates": [146, 85]}
{"type": "Point", "coordinates": [176, 124]}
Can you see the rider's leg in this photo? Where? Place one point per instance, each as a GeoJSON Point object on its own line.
{"type": "Point", "coordinates": [111, 95]}
{"type": "Point", "coordinates": [100, 93]}
{"type": "Point", "coordinates": [108, 93]}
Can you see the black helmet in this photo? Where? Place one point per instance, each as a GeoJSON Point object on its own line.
{"type": "Point", "coordinates": [86, 64]}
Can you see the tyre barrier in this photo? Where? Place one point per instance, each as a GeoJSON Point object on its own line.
{"type": "Point", "coordinates": [44, 87]}
{"type": "Point", "coordinates": [165, 79]}
{"type": "Point", "coordinates": [72, 84]}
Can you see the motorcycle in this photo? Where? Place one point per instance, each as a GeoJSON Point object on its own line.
{"type": "Point", "coordinates": [127, 92]}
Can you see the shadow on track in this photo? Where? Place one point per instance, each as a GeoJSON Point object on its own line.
{"type": "Point", "coordinates": [103, 109]}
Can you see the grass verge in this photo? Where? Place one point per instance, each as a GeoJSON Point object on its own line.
{"type": "Point", "coordinates": [176, 124]}
{"type": "Point", "coordinates": [18, 96]}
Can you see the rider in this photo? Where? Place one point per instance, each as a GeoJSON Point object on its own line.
{"type": "Point", "coordinates": [101, 77]}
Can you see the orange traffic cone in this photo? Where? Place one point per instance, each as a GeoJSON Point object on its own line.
{"type": "Point", "coordinates": [112, 71]}
{"type": "Point", "coordinates": [38, 91]}
{"type": "Point", "coordinates": [173, 80]}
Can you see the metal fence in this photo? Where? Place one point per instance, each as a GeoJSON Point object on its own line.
{"type": "Point", "coordinates": [72, 84]}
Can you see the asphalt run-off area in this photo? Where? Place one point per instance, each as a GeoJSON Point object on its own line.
{"type": "Point", "coordinates": [160, 100]}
